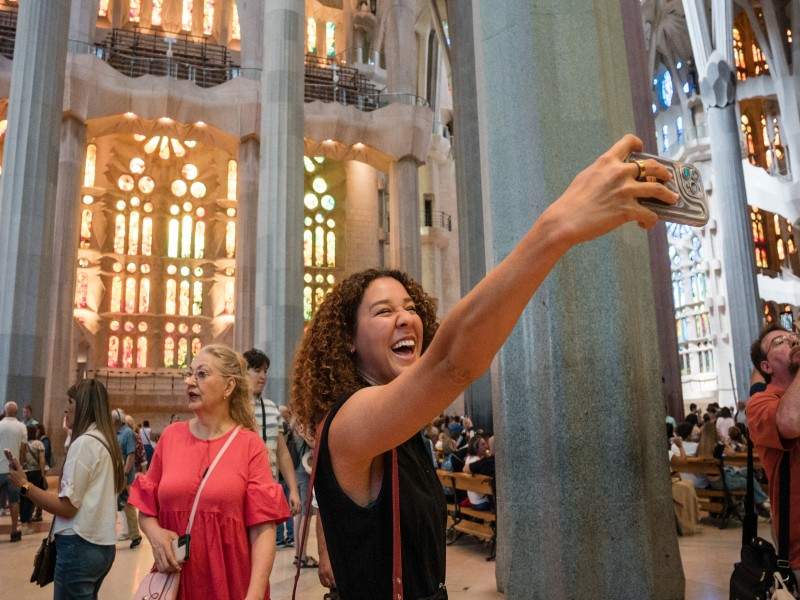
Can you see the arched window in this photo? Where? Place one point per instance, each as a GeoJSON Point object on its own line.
{"type": "Point", "coordinates": [127, 352]}
{"type": "Point", "coordinates": [186, 236]}
{"type": "Point", "coordinates": [171, 296]}
{"type": "Point", "coordinates": [119, 234]}
{"type": "Point", "coordinates": [172, 238]}
{"type": "Point", "coordinates": [169, 352]}
{"type": "Point", "coordinates": [197, 298]}
{"type": "Point", "coordinates": [230, 239]}
{"type": "Point", "coordinates": [155, 16]}
{"type": "Point", "coordinates": [82, 289]}
{"type": "Point", "coordinates": [183, 352]}
{"type": "Point", "coordinates": [102, 9]}
{"type": "Point", "coordinates": [232, 174]}
{"type": "Point", "coordinates": [330, 39]}
{"type": "Point", "coordinates": [130, 295]}
{"type": "Point", "coordinates": [196, 347]}
{"type": "Point", "coordinates": [141, 352]}
{"type": "Point", "coordinates": [759, 225]}
{"type": "Point", "coordinates": [186, 15]}
{"type": "Point", "coordinates": [199, 239]}
{"type": "Point", "coordinates": [90, 167]}
{"type": "Point", "coordinates": [747, 130]}
{"type": "Point", "coordinates": [311, 36]}
{"type": "Point", "coordinates": [86, 228]}
{"type": "Point", "coordinates": [133, 233]}
{"type": "Point", "coordinates": [308, 245]}
{"type": "Point", "coordinates": [236, 27]}
{"type": "Point", "coordinates": [116, 294]}
{"type": "Point", "coordinates": [738, 55]}
{"type": "Point", "coordinates": [208, 17]}
{"type": "Point", "coordinates": [134, 11]}
{"type": "Point", "coordinates": [147, 236]}
{"type": "Point", "coordinates": [144, 295]}
{"type": "Point", "coordinates": [183, 298]}
{"type": "Point", "coordinates": [113, 352]}
{"type": "Point", "coordinates": [229, 299]}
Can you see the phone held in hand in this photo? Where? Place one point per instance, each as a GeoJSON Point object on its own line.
{"type": "Point", "coordinates": [692, 206]}
{"type": "Point", "coordinates": [180, 547]}
{"type": "Point", "coordinates": [12, 461]}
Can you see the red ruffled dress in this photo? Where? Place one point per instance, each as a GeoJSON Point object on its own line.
{"type": "Point", "coordinates": [239, 493]}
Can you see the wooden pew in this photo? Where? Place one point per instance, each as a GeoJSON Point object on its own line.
{"type": "Point", "coordinates": [481, 524]}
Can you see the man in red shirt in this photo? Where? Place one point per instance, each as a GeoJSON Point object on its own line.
{"type": "Point", "coordinates": [773, 416]}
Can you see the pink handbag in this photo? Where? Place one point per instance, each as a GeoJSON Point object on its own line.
{"type": "Point", "coordinates": [165, 586]}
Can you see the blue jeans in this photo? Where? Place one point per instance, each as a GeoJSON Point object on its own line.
{"type": "Point", "coordinates": [285, 531]}
{"type": "Point", "coordinates": [737, 480]}
{"type": "Point", "coordinates": [80, 567]}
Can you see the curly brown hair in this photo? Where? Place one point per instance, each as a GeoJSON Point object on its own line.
{"type": "Point", "coordinates": [325, 369]}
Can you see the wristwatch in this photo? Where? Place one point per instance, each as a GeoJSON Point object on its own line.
{"type": "Point", "coordinates": [23, 489]}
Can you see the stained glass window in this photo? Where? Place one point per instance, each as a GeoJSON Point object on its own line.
{"type": "Point", "coordinates": [236, 27]}
{"type": "Point", "coordinates": [186, 16]}
{"type": "Point", "coordinates": [186, 236]}
{"type": "Point", "coordinates": [183, 298]}
{"type": "Point", "coordinates": [738, 55]}
{"type": "Point", "coordinates": [208, 17]}
{"type": "Point", "coordinates": [747, 130]}
{"type": "Point", "coordinates": [155, 16]}
{"type": "Point", "coordinates": [169, 352]}
{"type": "Point", "coordinates": [183, 352]}
{"type": "Point", "coordinates": [171, 296]}
{"type": "Point", "coordinates": [319, 234]}
{"type": "Point", "coordinates": [116, 294]}
{"type": "Point", "coordinates": [86, 228]}
{"type": "Point", "coordinates": [127, 352]}
{"type": "Point", "coordinates": [229, 290]}
{"type": "Point", "coordinates": [144, 295]}
{"type": "Point", "coordinates": [172, 238]}
{"type": "Point", "coordinates": [230, 239]}
{"type": "Point", "coordinates": [311, 35]}
{"type": "Point", "coordinates": [197, 345]}
{"type": "Point", "coordinates": [199, 239]}
{"type": "Point", "coordinates": [134, 11]}
{"type": "Point", "coordinates": [330, 39]}
{"type": "Point", "coordinates": [232, 174]}
{"type": "Point", "coordinates": [307, 304]}
{"type": "Point", "coordinates": [90, 167]}
{"type": "Point", "coordinates": [119, 234]}
{"type": "Point", "coordinates": [130, 295]}
{"type": "Point", "coordinates": [102, 9]}
{"type": "Point", "coordinates": [759, 225]}
{"type": "Point", "coordinates": [113, 352]}
{"type": "Point", "coordinates": [308, 243]}
{"type": "Point", "coordinates": [197, 298]}
{"type": "Point", "coordinates": [133, 233]}
{"type": "Point", "coordinates": [147, 236]}
{"type": "Point", "coordinates": [82, 289]}
{"type": "Point", "coordinates": [141, 352]}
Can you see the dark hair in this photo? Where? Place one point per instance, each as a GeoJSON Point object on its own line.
{"type": "Point", "coordinates": [684, 430]}
{"type": "Point", "coordinates": [472, 446]}
{"type": "Point", "coordinates": [692, 418]}
{"type": "Point", "coordinates": [670, 431]}
{"type": "Point", "coordinates": [725, 412]}
{"type": "Point", "coordinates": [757, 355]}
{"type": "Point", "coordinates": [256, 359]}
{"type": "Point", "coordinates": [693, 407]}
{"type": "Point", "coordinates": [325, 369]}
{"type": "Point", "coordinates": [145, 423]}
{"type": "Point", "coordinates": [735, 434]}
{"type": "Point", "coordinates": [706, 418]}
{"type": "Point", "coordinates": [33, 432]}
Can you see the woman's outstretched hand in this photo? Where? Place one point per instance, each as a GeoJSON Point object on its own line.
{"type": "Point", "coordinates": [606, 195]}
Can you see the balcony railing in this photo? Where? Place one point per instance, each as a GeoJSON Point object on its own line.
{"type": "Point", "coordinates": [437, 218]}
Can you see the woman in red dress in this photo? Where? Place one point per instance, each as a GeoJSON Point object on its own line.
{"type": "Point", "coordinates": [232, 543]}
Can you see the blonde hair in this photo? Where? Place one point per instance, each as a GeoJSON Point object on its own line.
{"type": "Point", "coordinates": [231, 365]}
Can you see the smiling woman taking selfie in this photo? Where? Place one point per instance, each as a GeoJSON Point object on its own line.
{"type": "Point", "coordinates": [232, 538]}
{"type": "Point", "coordinates": [370, 374]}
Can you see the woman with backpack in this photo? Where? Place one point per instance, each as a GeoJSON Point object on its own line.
{"type": "Point", "coordinates": [86, 503]}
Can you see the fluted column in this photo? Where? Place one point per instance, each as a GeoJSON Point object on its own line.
{"type": "Point", "coordinates": [28, 195]}
{"type": "Point", "coordinates": [251, 22]}
{"type": "Point", "coordinates": [279, 261]}
{"type": "Point", "coordinates": [247, 189]}
{"type": "Point", "coordinates": [82, 24]}
{"type": "Point", "coordinates": [60, 357]}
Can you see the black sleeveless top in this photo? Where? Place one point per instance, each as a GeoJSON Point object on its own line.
{"type": "Point", "coordinates": [359, 538]}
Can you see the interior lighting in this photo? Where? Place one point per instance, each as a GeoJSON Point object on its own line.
{"type": "Point", "coordinates": [87, 200]}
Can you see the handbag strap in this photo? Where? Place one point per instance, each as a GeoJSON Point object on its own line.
{"type": "Point", "coordinates": [207, 474]}
{"type": "Point", "coordinates": [783, 510]}
{"type": "Point", "coordinates": [750, 524]}
{"type": "Point", "coordinates": [397, 559]}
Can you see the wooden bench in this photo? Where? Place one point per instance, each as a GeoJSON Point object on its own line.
{"type": "Point", "coordinates": [481, 524]}
{"type": "Point", "coordinates": [724, 502]}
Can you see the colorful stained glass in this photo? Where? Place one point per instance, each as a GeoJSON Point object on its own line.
{"type": "Point", "coordinates": [236, 26]}
{"type": "Point", "coordinates": [199, 239]}
{"type": "Point", "coordinates": [119, 234]}
{"type": "Point", "coordinates": [141, 352]}
{"type": "Point", "coordinates": [113, 352]}
{"type": "Point", "coordinates": [233, 169]}
{"type": "Point", "coordinates": [330, 39]}
{"type": "Point", "coordinates": [147, 236]}
{"type": "Point", "coordinates": [308, 243]}
{"type": "Point", "coordinates": [307, 308]}
{"type": "Point", "coordinates": [208, 17]}
{"type": "Point", "coordinates": [125, 182]}
{"type": "Point", "coordinates": [183, 352]}
{"type": "Point", "coordinates": [130, 295]}
{"type": "Point", "coordinates": [229, 306]}
{"type": "Point", "coordinates": [319, 185]}
{"type": "Point", "coordinates": [133, 233]}
{"type": "Point", "coordinates": [311, 35]}
{"type": "Point", "coordinates": [169, 352]}
{"type": "Point", "coordinates": [230, 239]}
{"type": "Point", "coordinates": [331, 250]}
{"type": "Point", "coordinates": [197, 298]}
{"type": "Point", "coordinates": [86, 228]}
{"type": "Point", "coordinates": [173, 236]}
{"type": "Point", "coordinates": [183, 298]}
{"type": "Point", "coordinates": [319, 296]}
{"type": "Point", "coordinates": [186, 236]}
{"type": "Point", "coordinates": [189, 171]}
{"type": "Point", "coordinates": [102, 9]}
{"type": "Point", "coordinates": [134, 11]}
{"type": "Point", "coordinates": [144, 295]}
{"type": "Point", "coordinates": [171, 296]}
{"type": "Point", "coordinates": [197, 345]}
{"type": "Point", "coordinates": [319, 246]}
{"type": "Point", "coordinates": [116, 294]}
{"type": "Point", "coordinates": [90, 167]}
{"type": "Point", "coordinates": [186, 16]}
{"type": "Point", "coordinates": [127, 352]}
{"type": "Point", "coordinates": [82, 289]}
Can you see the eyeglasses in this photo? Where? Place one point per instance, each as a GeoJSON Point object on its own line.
{"type": "Point", "coordinates": [782, 339]}
{"type": "Point", "coordinates": [199, 374]}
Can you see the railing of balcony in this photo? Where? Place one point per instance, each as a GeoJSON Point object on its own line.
{"type": "Point", "coordinates": [437, 218]}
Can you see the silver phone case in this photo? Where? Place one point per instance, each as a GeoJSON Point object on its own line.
{"type": "Point", "coordinates": [692, 206]}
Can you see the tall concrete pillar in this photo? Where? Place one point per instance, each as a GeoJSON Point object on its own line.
{"type": "Point", "coordinates": [28, 196]}
{"type": "Point", "coordinates": [401, 67]}
{"type": "Point", "coordinates": [59, 356]}
{"type": "Point", "coordinates": [247, 191]}
{"type": "Point", "coordinates": [279, 259]}
{"type": "Point", "coordinates": [251, 22]}
{"type": "Point", "coordinates": [82, 24]}
{"type": "Point", "coordinates": [576, 507]}
{"type": "Point", "coordinates": [469, 193]}
{"type": "Point", "coordinates": [717, 87]}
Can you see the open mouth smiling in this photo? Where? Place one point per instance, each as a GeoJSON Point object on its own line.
{"type": "Point", "coordinates": [405, 348]}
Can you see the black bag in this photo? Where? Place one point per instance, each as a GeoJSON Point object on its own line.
{"type": "Point", "coordinates": [44, 563]}
{"type": "Point", "coordinates": [754, 576]}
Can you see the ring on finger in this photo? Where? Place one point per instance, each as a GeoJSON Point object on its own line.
{"type": "Point", "coordinates": [642, 169]}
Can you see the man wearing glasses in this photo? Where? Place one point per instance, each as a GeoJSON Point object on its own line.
{"type": "Point", "coordinates": [774, 419]}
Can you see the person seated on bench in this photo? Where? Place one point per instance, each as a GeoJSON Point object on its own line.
{"type": "Point", "coordinates": [477, 449]}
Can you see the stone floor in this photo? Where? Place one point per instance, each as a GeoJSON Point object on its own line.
{"type": "Point", "coordinates": [707, 562]}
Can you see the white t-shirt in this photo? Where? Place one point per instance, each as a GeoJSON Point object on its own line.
{"type": "Point", "coordinates": [88, 482]}
{"type": "Point", "coordinates": [13, 434]}
{"type": "Point", "coordinates": [723, 426]}
{"type": "Point", "coordinates": [690, 448]}
{"type": "Point", "coordinates": [269, 424]}
{"type": "Point", "coordinates": [474, 497]}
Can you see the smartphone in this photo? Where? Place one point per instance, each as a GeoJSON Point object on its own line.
{"type": "Point", "coordinates": [10, 457]}
{"type": "Point", "coordinates": [692, 206]}
{"type": "Point", "coordinates": [180, 547]}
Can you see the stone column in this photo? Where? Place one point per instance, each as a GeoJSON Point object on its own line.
{"type": "Point", "coordinates": [60, 358]}
{"type": "Point", "coordinates": [247, 191]}
{"type": "Point", "coordinates": [717, 86]}
{"type": "Point", "coordinates": [467, 149]}
{"type": "Point", "coordinates": [82, 23]}
{"type": "Point", "coordinates": [251, 22]}
{"type": "Point", "coordinates": [279, 258]}
{"type": "Point", "coordinates": [401, 67]}
{"type": "Point", "coordinates": [28, 195]}
{"type": "Point", "coordinates": [576, 508]}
